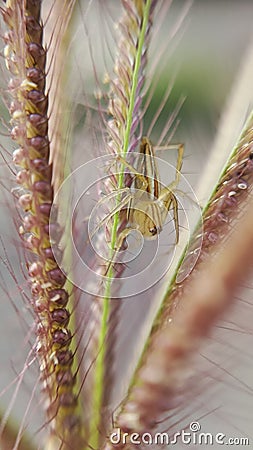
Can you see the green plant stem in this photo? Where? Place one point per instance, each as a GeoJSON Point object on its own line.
{"type": "Point", "coordinates": [100, 363]}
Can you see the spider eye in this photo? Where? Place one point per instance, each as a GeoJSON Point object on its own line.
{"type": "Point", "coordinates": [153, 231]}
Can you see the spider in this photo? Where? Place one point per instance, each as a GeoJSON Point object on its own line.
{"type": "Point", "coordinates": [148, 206]}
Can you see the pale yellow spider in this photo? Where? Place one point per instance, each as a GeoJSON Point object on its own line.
{"type": "Point", "coordinates": [148, 206]}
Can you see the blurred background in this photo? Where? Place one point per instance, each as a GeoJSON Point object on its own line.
{"type": "Point", "coordinates": [203, 48]}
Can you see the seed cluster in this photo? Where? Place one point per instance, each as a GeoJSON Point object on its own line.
{"type": "Point", "coordinates": [121, 85]}
{"type": "Point", "coordinates": [25, 58]}
{"type": "Point", "coordinates": [233, 188]}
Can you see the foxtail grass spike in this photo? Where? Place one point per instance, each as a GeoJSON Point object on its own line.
{"type": "Point", "coordinates": [125, 99]}
{"type": "Point", "coordinates": [25, 58]}
{"type": "Point", "coordinates": [192, 307]}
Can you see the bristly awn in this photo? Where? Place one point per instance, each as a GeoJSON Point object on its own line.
{"type": "Point", "coordinates": [146, 202]}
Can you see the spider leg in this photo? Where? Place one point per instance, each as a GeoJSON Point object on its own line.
{"type": "Point", "coordinates": [124, 233]}
{"type": "Point", "coordinates": [133, 170]}
{"type": "Point", "coordinates": [180, 149]}
{"type": "Point", "coordinates": [167, 196]}
{"type": "Point", "coordinates": [179, 162]}
{"type": "Point", "coordinates": [116, 209]}
{"type": "Point", "coordinates": [175, 213]}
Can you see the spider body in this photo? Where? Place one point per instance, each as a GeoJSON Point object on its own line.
{"type": "Point", "coordinates": [149, 206]}
{"type": "Point", "coordinates": [146, 216]}
{"type": "Point", "coordinates": [145, 204]}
